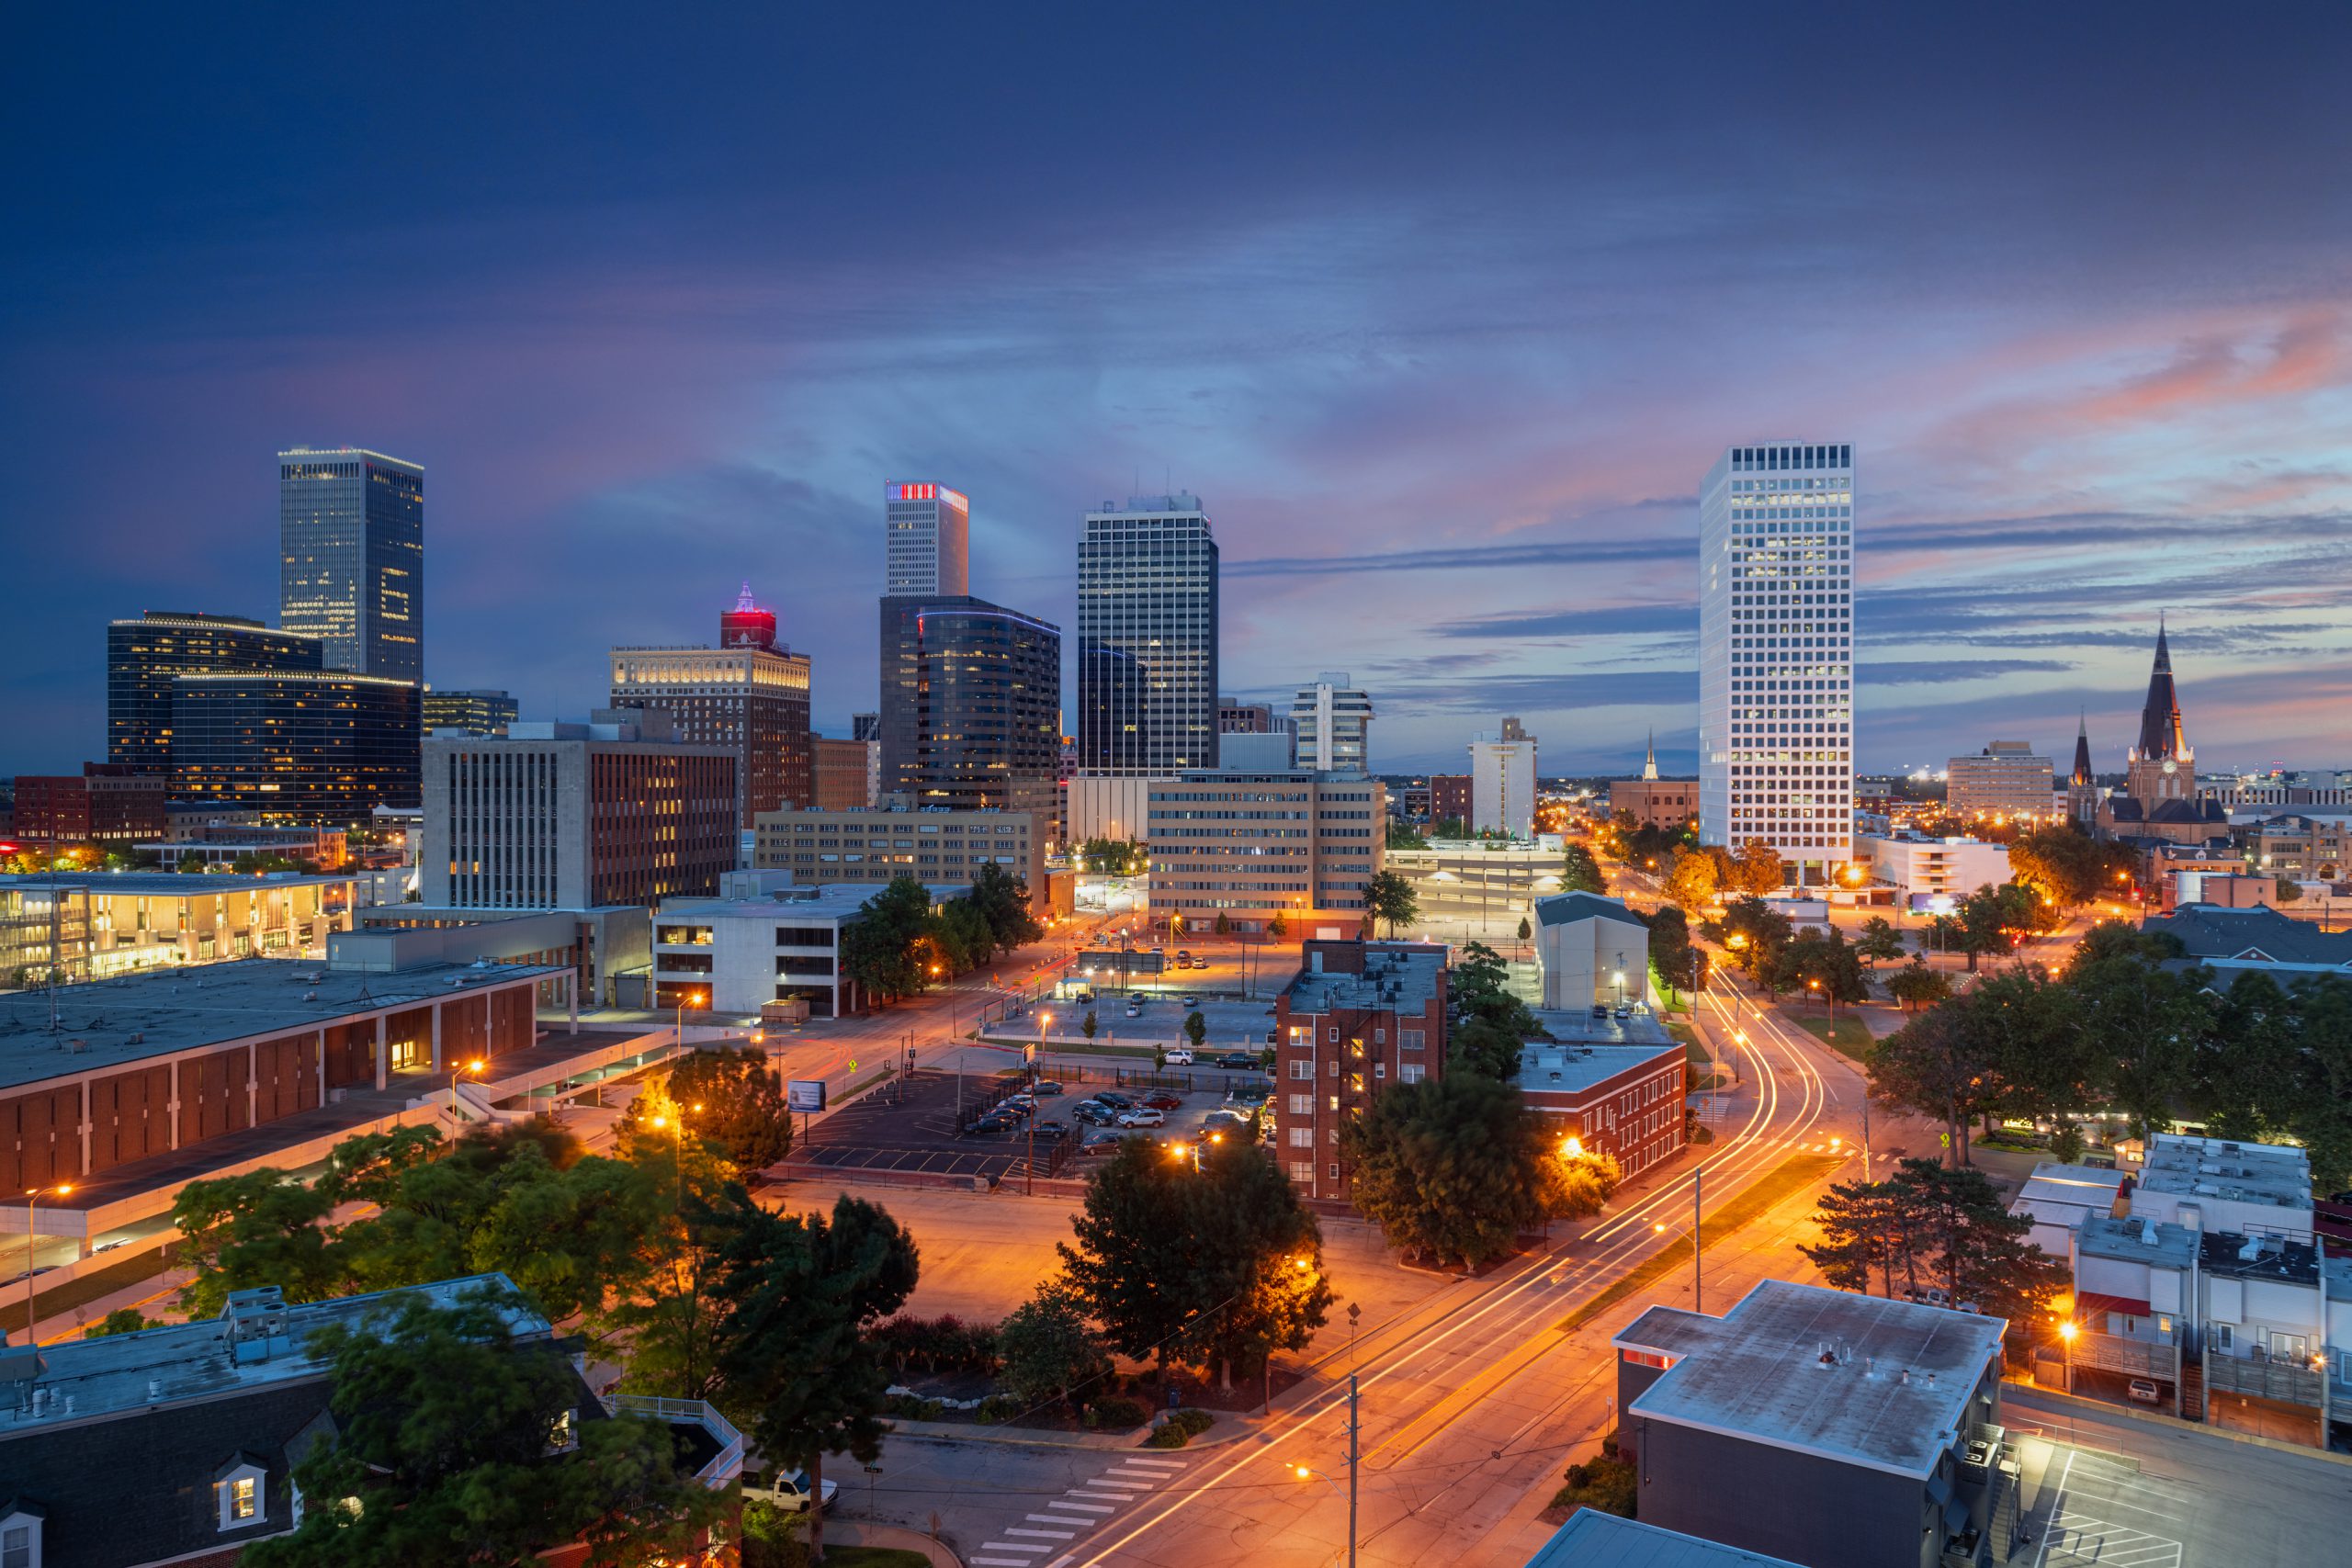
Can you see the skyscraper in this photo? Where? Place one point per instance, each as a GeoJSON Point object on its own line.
{"type": "Point", "coordinates": [971, 706]}
{"type": "Point", "coordinates": [471, 713]}
{"type": "Point", "coordinates": [144, 655]}
{"type": "Point", "coordinates": [927, 533]}
{"type": "Point", "coordinates": [1776, 671]}
{"type": "Point", "coordinates": [750, 694]}
{"type": "Point", "coordinates": [351, 547]}
{"type": "Point", "coordinates": [315, 748]}
{"type": "Point", "coordinates": [1332, 721]}
{"type": "Point", "coordinates": [1147, 638]}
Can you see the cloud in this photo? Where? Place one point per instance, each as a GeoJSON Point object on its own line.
{"type": "Point", "coordinates": [1949, 671]}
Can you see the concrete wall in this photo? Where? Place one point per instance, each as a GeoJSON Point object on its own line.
{"type": "Point", "coordinates": [1582, 958]}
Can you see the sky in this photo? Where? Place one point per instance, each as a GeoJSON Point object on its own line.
{"type": "Point", "coordinates": [1444, 312]}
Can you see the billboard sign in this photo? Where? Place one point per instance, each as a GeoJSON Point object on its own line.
{"type": "Point", "coordinates": [805, 1095]}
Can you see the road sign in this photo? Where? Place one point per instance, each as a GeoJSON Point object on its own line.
{"type": "Point", "coordinates": [1944, 1138]}
{"type": "Point", "coordinates": [805, 1095]}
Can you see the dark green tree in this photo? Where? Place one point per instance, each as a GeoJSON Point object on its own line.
{"type": "Point", "coordinates": [1004, 899]}
{"type": "Point", "coordinates": [444, 1420]}
{"type": "Point", "coordinates": [798, 1370]}
{"type": "Point", "coordinates": [1934, 1067]}
{"type": "Point", "coordinates": [1258, 1263]}
{"type": "Point", "coordinates": [1671, 953]}
{"type": "Point", "coordinates": [741, 1115]}
{"type": "Point", "coordinates": [1480, 984]}
{"type": "Point", "coordinates": [1579, 873]}
{"type": "Point", "coordinates": [1860, 1231]}
{"type": "Point", "coordinates": [1964, 1237]}
{"type": "Point", "coordinates": [1755, 932]}
{"type": "Point", "coordinates": [1483, 1048]}
{"type": "Point", "coordinates": [1390, 896]}
{"type": "Point", "coordinates": [879, 948]}
{"type": "Point", "coordinates": [1128, 1259]}
{"type": "Point", "coordinates": [1048, 1348]}
{"type": "Point", "coordinates": [1402, 837]}
{"type": "Point", "coordinates": [1879, 941]}
{"type": "Point", "coordinates": [1525, 930]}
{"type": "Point", "coordinates": [1916, 985]}
{"type": "Point", "coordinates": [2144, 1026]}
{"type": "Point", "coordinates": [1197, 1028]}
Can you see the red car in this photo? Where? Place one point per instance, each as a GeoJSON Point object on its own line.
{"type": "Point", "coordinates": [1161, 1100]}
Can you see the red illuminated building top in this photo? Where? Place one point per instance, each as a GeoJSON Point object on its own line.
{"type": "Point", "coordinates": [747, 626]}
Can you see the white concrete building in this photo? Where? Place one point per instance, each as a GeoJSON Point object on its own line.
{"type": "Point", "coordinates": [926, 530]}
{"type": "Point", "coordinates": [762, 940]}
{"type": "Point", "coordinates": [2222, 1184]}
{"type": "Point", "coordinates": [1930, 868]}
{"type": "Point", "coordinates": [1776, 671]}
{"type": "Point", "coordinates": [1593, 951]}
{"type": "Point", "coordinates": [1332, 721]}
{"type": "Point", "coordinates": [1502, 782]}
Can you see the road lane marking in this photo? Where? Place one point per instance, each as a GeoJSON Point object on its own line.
{"type": "Point", "coordinates": [1062, 1518]}
{"type": "Point", "coordinates": [1157, 1463]}
{"type": "Point", "coordinates": [1049, 1535]}
{"type": "Point", "coordinates": [1089, 1507]}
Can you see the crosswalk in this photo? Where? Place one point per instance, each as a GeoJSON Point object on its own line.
{"type": "Point", "coordinates": [1052, 1537]}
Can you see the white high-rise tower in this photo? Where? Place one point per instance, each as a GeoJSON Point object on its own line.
{"type": "Point", "coordinates": [1776, 659]}
{"type": "Point", "coordinates": [927, 533]}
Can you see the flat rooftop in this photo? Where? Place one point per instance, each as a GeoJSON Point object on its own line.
{"type": "Point", "coordinates": [1857, 1379]}
{"type": "Point", "coordinates": [835, 900]}
{"type": "Point", "coordinates": [1594, 1540]}
{"type": "Point", "coordinates": [1566, 1068]}
{"type": "Point", "coordinates": [108, 1023]}
{"type": "Point", "coordinates": [120, 1372]}
{"type": "Point", "coordinates": [2219, 1167]}
{"type": "Point", "coordinates": [1393, 980]}
{"type": "Point", "coordinates": [173, 885]}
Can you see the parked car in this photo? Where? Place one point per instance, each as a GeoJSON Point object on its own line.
{"type": "Point", "coordinates": [1134, 1010]}
{"type": "Point", "coordinates": [787, 1489]}
{"type": "Point", "coordinates": [1045, 1088]}
{"type": "Point", "coordinates": [1083, 997]}
{"type": "Point", "coordinates": [1143, 1116]}
{"type": "Point", "coordinates": [2143, 1390]}
{"type": "Point", "coordinates": [1112, 1099]}
{"type": "Point", "coordinates": [1049, 1128]}
{"type": "Point", "coordinates": [1184, 955]}
{"type": "Point", "coordinates": [1238, 1060]}
{"type": "Point", "coordinates": [1192, 1002]}
{"type": "Point", "coordinates": [1094, 1115]}
{"type": "Point", "coordinates": [1098, 1145]}
{"type": "Point", "coordinates": [995, 1124]}
{"type": "Point", "coordinates": [1600, 1009]}
{"type": "Point", "coordinates": [1181, 1057]}
{"type": "Point", "coordinates": [1623, 1013]}
{"type": "Point", "coordinates": [1137, 996]}
{"type": "Point", "coordinates": [1161, 1100]}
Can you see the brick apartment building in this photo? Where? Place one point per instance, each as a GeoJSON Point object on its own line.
{"type": "Point", "coordinates": [1449, 797]}
{"type": "Point", "coordinates": [1624, 1099]}
{"type": "Point", "coordinates": [1357, 1017]}
{"type": "Point", "coordinates": [106, 803]}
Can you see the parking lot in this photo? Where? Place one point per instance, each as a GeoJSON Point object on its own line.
{"type": "Point", "coordinates": [1234, 1024]}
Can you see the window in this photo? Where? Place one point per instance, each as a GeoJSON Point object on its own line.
{"type": "Point", "coordinates": [1302, 1137]}
{"type": "Point", "coordinates": [1302, 1170]}
{"type": "Point", "coordinates": [563, 1433]}
{"type": "Point", "coordinates": [1410, 1038]}
{"type": "Point", "coordinates": [1410, 1072]}
{"type": "Point", "coordinates": [1302, 1105]}
{"type": "Point", "coordinates": [241, 1498]}
{"type": "Point", "coordinates": [20, 1542]}
{"type": "Point", "coordinates": [1302, 1069]}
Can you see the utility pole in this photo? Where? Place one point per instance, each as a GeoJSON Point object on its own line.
{"type": "Point", "coordinates": [1696, 1177]}
{"type": "Point", "coordinates": [1866, 1136]}
{"type": "Point", "coordinates": [1355, 1432]}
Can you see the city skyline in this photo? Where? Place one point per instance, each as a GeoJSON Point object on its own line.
{"type": "Point", "coordinates": [1448, 400]}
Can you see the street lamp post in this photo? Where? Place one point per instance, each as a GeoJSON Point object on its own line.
{"type": "Point", "coordinates": [463, 1069]}
{"type": "Point", "coordinates": [686, 999]}
{"type": "Point", "coordinates": [32, 1314]}
{"type": "Point", "coordinates": [2066, 1332]}
{"type": "Point", "coordinates": [1307, 1473]}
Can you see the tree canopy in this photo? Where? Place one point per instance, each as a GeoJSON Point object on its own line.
{"type": "Point", "coordinates": [1390, 896]}
{"type": "Point", "coordinates": [1927, 1226]}
{"type": "Point", "coordinates": [731, 1100]}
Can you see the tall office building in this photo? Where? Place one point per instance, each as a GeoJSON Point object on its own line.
{"type": "Point", "coordinates": [1502, 782]}
{"type": "Point", "coordinates": [473, 713]}
{"type": "Point", "coordinates": [1148, 638]}
{"type": "Point", "coordinates": [927, 530]}
{"type": "Point", "coordinates": [314, 747]}
{"type": "Point", "coordinates": [1776, 661]}
{"type": "Point", "coordinates": [1332, 722]}
{"type": "Point", "coordinates": [971, 707]}
{"type": "Point", "coordinates": [144, 655]}
{"type": "Point", "coordinates": [865, 726]}
{"type": "Point", "coordinates": [750, 694]}
{"type": "Point", "coordinates": [1234, 717]}
{"type": "Point", "coordinates": [351, 546]}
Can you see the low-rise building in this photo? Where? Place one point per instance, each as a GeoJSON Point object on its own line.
{"type": "Point", "coordinates": [1823, 1427]}
{"type": "Point", "coordinates": [2223, 1184]}
{"type": "Point", "coordinates": [896, 839]}
{"type": "Point", "coordinates": [849, 773]}
{"type": "Point", "coordinates": [1251, 846]}
{"type": "Point", "coordinates": [763, 939]}
{"type": "Point", "coordinates": [1614, 1094]}
{"type": "Point", "coordinates": [1449, 798]}
{"type": "Point", "coordinates": [1593, 951]}
{"type": "Point", "coordinates": [1357, 1017]}
{"type": "Point", "coordinates": [1924, 869]}
{"type": "Point", "coordinates": [2230, 941]}
{"type": "Point", "coordinates": [2299, 847]}
{"type": "Point", "coordinates": [469, 713]}
{"type": "Point", "coordinates": [1668, 803]}
{"type": "Point", "coordinates": [107, 923]}
{"type": "Point", "coordinates": [2008, 779]}
{"type": "Point", "coordinates": [2057, 1198]}
{"type": "Point", "coordinates": [609, 949]}
{"type": "Point", "coordinates": [106, 803]}
{"type": "Point", "coordinates": [178, 1444]}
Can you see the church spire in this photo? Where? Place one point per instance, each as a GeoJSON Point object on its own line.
{"type": "Point", "coordinates": [2081, 777]}
{"type": "Point", "coordinates": [1649, 762]}
{"type": "Point", "coordinates": [2161, 736]}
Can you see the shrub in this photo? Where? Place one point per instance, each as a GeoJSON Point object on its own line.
{"type": "Point", "coordinates": [1117, 1413]}
{"type": "Point", "coordinates": [1166, 1438]}
{"type": "Point", "coordinates": [1605, 1484]}
{"type": "Point", "coordinates": [913, 1407]}
{"type": "Point", "coordinates": [998, 1408]}
{"type": "Point", "coordinates": [1181, 1428]}
{"type": "Point", "coordinates": [944, 1344]}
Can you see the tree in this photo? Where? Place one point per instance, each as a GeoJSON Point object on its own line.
{"type": "Point", "coordinates": [1758, 868]}
{"type": "Point", "coordinates": [1224, 926]}
{"type": "Point", "coordinates": [1755, 932]}
{"type": "Point", "coordinates": [878, 948]}
{"type": "Point", "coordinates": [1003, 899]}
{"type": "Point", "coordinates": [1480, 982]}
{"type": "Point", "coordinates": [2143, 1025]}
{"type": "Point", "coordinates": [1223, 1264]}
{"type": "Point", "coordinates": [1278, 928]}
{"type": "Point", "coordinates": [1390, 896]}
{"type": "Point", "coordinates": [1089, 1024]}
{"type": "Point", "coordinates": [1671, 953]}
{"type": "Point", "coordinates": [1916, 985]}
{"type": "Point", "coordinates": [1933, 1066]}
{"type": "Point", "coordinates": [1691, 879]}
{"type": "Point", "coordinates": [734, 1101]}
{"type": "Point", "coordinates": [1456, 1167]}
{"type": "Point", "coordinates": [2288, 889]}
{"type": "Point", "coordinates": [1991, 917]}
{"type": "Point", "coordinates": [122, 1320]}
{"type": "Point", "coordinates": [961, 933]}
{"type": "Point", "coordinates": [1111, 857]}
{"type": "Point", "coordinates": [1525, 930]}
{"type": "Point", "coordinates": [1879, 940]}
{"type": "Point", "coordinates": [1197, 1028]}
{"type": "Point", "coordinates": [264, 1227]}
{"type": "Point", "coordinates": [1823, 966]}
{"type": "Point", "coordinates": [1401, 835]}
{"type": "Point", "coordinates": [1048, 1348]}
{"type": "Point", "coordinates": [1483, 1048]}
{"type": "Point", "coordinates": [798, 1369]}
{"type": "Point", "coordinates": [444, 1420]}
{"type": "Point", "coordinates": [1449, 827]}
{"type": "Point", "coordinates": [1964, 1237]}
{"type": "Point", "coordinates": [1579, 873]}
{"type": "Point", "coordinates": [1860, 1231]}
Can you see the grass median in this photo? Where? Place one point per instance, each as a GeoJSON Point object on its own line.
{"type": "Point", "coordinates": [1848, 1036]}
{"type": "Point", "coordinates": [1789, 1178]}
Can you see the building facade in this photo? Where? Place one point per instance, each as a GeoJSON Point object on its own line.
{"type": "Point", "coordinates": [469, 713]}
{"type": "Point", "coordinates": [1252, 846]}
{"type": "Point", "coordinates": [351, 546]}
{"type": "Point", "coordinates": [1476, 886]}
{"type": "Point", "coordinates": [1502, 782]}
{"type": "Point", "coordinates": [111, 923]}
{"type": "Point", "coordinates": [935, 845]}
{"type": "Point", "coordinates": [1593, 952]}
{"type": "Point", "coordinates": [1147, 638]}
{"type": "Point", "coordinates": [749, 696]}
{"type": "Point", "coordinates": [1626, 1101]}
{"type": "Point", "coordinates": [1234, 717]}
{"type": "Point", "coordinates": [114, 804]}
{"type": "Point", "coordinates": [318, 748]}
{"type": "Point", "coordinates": [971, 707]}
{"type": "Point", "coordinates": [1449, 798]}
{"type": "Point", "coordinates": [1926, 868]}
{"type": "Point", "coordinates": [1331, 722]}
{"type": "Point", "coordinates": [849, 773]}
{"type": "Point", "coordinates": [927, 530]}
{"type": "Point", "coordinates": [1776, 637]}
{"type": "Point", "coordinates": [144, 655]}
{"type": "Point", "coordinates": [759, 944]}
{"type": "Point", "coordinates": [1670, 804]}
{"type": "Point", "coordinates": [1357, 1017]}
{"type": "Point", "coordinates": [618, 810]}
{"type": "Point", "coordinates": [2006, 779]}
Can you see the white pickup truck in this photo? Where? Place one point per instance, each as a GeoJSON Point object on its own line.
{"type": "Point", "coordinates": [787, 1489]}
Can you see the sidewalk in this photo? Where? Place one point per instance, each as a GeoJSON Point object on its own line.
{"type": "Point", "coordinates": [865, 1532]}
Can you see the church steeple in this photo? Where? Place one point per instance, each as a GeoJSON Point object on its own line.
{"type": "Point", "coordinates": [2161, 736]}
{"type": "Point", "coordinates": [1649, 762]}
{"type": "Point", "coordinates": [2081, 777]}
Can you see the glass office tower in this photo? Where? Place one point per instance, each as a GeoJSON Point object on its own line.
{"type": "Point", "coordinates": [971, 706]}
{"type": "Point", "coordinates": [351, 544]}
{"type": "Point", "coordinates": [1148, 638]}
{"type": "Point", "coordinates": [144, 655]}
{"type": "Point", "coordinates": [323, 748]}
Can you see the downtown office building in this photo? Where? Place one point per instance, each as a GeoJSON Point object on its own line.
{"type": "Point", "coordinates": [971, 708]}
{"type": "Point", "coordinates": [1148, 638]}
{"type": "Point", "coordinates": [146, 655]}
{"type": "Point", "coordinates": [351, 546]}
{"type": "Point", "coordinates": [928, 532]}
{"type": "Point", "coordinates": [1776, 661]}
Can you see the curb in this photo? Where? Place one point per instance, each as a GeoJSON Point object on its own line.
{"type": "Point", "coordinates": [2173, 1423]}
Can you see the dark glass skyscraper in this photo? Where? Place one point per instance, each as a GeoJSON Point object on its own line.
{"type": "Point", "coordinates": [144, 655]}
{"type": "Point", "coordinates": [325, 748]}
{"type": "Point", "coordinates": [1147, 638]}
{"type": "Point", "coordinates": [971, 706]}
{"type": "Point", "coordinates": [351, 543]}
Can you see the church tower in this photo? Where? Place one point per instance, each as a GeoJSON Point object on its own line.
{"type": "Point", "coordinates": [2163, 766]}
{"type": "Point", "coordinates": [2082, 794]}
{"type": "Point", "coordinates": [1649, 762]}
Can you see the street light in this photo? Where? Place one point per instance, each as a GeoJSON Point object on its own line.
{"type": "Point", "coordinates": [2066, 1332]}
{"type": "Point", "coordinates": [463, 1069]}
{"type": "Point", "coordinates": [685, 1001]}
{"type": "Point", "coordinates": [32, 1314]}
{"type": "Point", "coordinates": [1572, 1147]}
{"type": "Point", "coordinates": [1308, 1473]}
